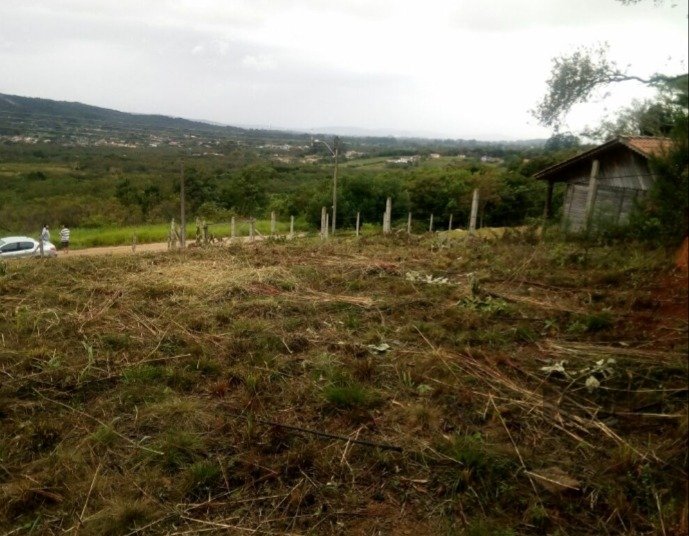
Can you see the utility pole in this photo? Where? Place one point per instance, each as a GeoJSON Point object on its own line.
{"type": "Point", "coordinates": [336, 143]}
{"type": "Point", "coordinates": [334, 151]}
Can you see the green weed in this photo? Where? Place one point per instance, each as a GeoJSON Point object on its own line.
{"type": "Point", "coordinates": [200, 477]}
{"type": "Point", "coordinates": [179, 449]}
{"type": "Point", "coordinates": [349, 396]}
{"type": "Point", "coordinates": [105, 436]}
{"type": "Point", "coordinates": [143, 374]}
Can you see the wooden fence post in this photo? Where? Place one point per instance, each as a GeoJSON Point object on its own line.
{"type": "Point", "coordinates": [430, 226]}
{"type": "Point", "coordinates": [323, 224]}
{"type": "Point", "coordinates": [272, 223]}
{"type": "Point", "coordinates": [409, 223]}
{"type": "Point", "coordinates": [252, 228]}
{"type": "Point", "coordinates": [291, 226]}
{"type": "Point", "coordinates": [233, 229]}
{"type": "Point", "coordinates": [327, 224]}
{"type": "Point", "coordinates": [134, 244]}
{"type": "Point", "coordinates": [474, 210]}
{"type": "Point", "coordinates": [449, 225]}
{"type": "Point", "coordinates": [592, 193]}
{"type": "Point", "coordinates": [358, 220]}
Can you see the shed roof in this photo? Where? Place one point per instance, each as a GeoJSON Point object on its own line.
{"type": "Point", "coordinates": [645, 146]}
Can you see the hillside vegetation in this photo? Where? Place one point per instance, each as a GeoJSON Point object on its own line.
{"type": "Point", "coordinates": [100, 187]}
{"type": "Point", "coordinates": [435, 385]}
{"type": "Point", "coordinates": [94, 168]}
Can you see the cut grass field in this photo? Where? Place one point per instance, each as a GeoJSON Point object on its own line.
{"type": "Point", "coordinates": [379, 386]}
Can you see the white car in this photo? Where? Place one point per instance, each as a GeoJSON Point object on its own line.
{"type": "Point", "coordinates": [14, 247]}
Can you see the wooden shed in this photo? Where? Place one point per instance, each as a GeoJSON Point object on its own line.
{"type": "Point", "coordinates": [603, 183]}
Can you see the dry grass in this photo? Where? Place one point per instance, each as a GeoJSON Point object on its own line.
{"type": "Point", "coordinates": [258, 388]}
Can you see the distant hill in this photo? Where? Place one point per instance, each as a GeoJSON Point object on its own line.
{"type": "Point", "coordinates": [76, 122]}
{"type": "Point", "coordinates": [33, 120]}
{"type": "Point", "coordinates": [12, 107]}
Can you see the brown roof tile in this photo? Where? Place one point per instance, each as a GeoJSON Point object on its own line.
{"type": "Point", "coordinates": [646, 145]}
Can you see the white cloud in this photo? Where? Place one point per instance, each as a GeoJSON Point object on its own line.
{"type": "Point", "coordinates": [468, 68]}
{"type": "Point", "coordinates": [259, 62]}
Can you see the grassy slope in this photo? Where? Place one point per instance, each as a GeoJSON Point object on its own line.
{"type": "Point", "coordinates": [145, 234]}
{"type": "Point", "coordinates": [134, 389]}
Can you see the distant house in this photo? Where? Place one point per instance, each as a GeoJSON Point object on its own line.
{"type": "Point", "coordinates": [403, 160]}
{"type": "Point", "coordinates": [604, 183]}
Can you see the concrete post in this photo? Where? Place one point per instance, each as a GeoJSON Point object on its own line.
{"type": "Point", "coordinates": [474, 211]}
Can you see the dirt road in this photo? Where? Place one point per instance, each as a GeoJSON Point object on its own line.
{"type": "Point", "coordinates": [141, 248]}
{"type": "Point", "coordinates": [113, 250]}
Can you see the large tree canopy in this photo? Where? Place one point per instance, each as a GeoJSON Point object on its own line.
{"type": "Point", "coordinates": [575, 77]}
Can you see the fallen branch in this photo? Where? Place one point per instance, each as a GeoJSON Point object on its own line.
{"type": "Point", "coordinates": [318, 433]}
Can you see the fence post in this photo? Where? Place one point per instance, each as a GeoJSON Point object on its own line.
{"type": "Point", "coordinates": [358, 220]}
{"type": "Point", "coordinates": [449, 225]}
{"type": "Point", "coordinates": [430, 226]}
{"type": "Point", "coordinates": [198, 232]}
{"type": "Point", "coordinates": [474, 210]}
{"type": "Point", "coordinates": [252, 228]}
{"type": "Point", "coordinates": [233, 231]}
{"type": "Point", "coordinates": [409, 223]}
{"type": "Point", "coordinates": [291, 226]}
{"type": "Point", "coordinates": [323, 224]}
{"type": "Point", "coordinates": [387, 219]}
{"type": "Point", "coordinates": [272, 223]}
{"type": "Point", "coordinates": [172, 237]}
{"type": "Point", "coordinates": [327, 224]}
{"type": "Point", "coordinates": [134, 244]}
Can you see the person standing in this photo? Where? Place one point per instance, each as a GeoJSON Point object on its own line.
{"type": "Point", "coordinates": [45, 237]}
{"type": "Point", "coordinates": [64, 238]}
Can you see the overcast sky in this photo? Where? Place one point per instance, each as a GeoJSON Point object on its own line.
{"type": "Point", "coordinates": [452, 68]}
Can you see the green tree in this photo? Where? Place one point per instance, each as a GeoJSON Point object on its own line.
{"type": "Point", "coordinates": [562, 141]}
{"type": "Point", "coordinates": [575, 77]}
{"type": "Point", "coordinates": [245, 191]}
{"type": "Point", "coordinates": [199, 188]}
{"type": "Point", "coordinates": [441, 194]}
{"type": "Point", "coordinates": [125, 193]}
{"type": "Point", "coordinates": [149, 197]}
{"type": "Point", "coordinates": [145, 198]}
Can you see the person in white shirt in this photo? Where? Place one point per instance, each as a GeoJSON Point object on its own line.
{"type": "Point", "coordinates": [45, 234]}
{"type": "Point", "coordinates": [64, 238]}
